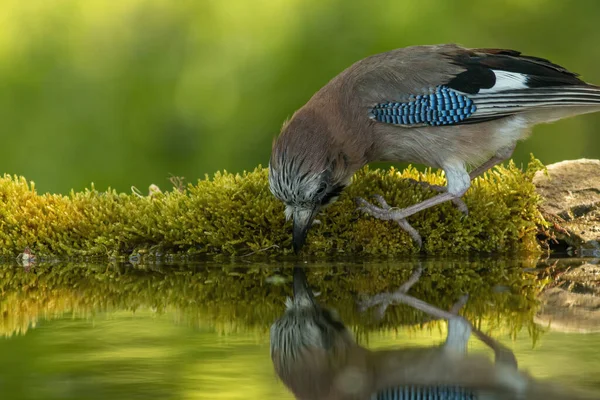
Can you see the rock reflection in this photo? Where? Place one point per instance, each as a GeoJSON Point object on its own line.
{"type": "Point", "coordinates": [571, 303]}
{"type": "Point", "coordinates": [315, 356]}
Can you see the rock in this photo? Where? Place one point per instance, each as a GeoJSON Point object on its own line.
{"type": "Point", "coordinates": [571, 202]}
{"type": "Point", "coordinates": [573, 305]}
{"type": "Point", "coordinates": [564, 311]}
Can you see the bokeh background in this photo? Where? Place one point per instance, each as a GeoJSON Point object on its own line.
{"type": "Point", "coordinates": [123, 93]}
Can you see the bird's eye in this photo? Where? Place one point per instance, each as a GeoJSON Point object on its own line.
{"type": "Point", "coordinates": [331, 195]}
{"type": "Point", "coordinates": [333, 320]}
{"type": "Point", "coordinates": [321, 189]}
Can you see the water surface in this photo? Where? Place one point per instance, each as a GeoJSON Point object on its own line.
{"type": "Point", "coordinates": [200, 331]}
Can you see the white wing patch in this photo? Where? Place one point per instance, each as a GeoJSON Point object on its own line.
{"type": "Point", "coordinates": [507, 81]}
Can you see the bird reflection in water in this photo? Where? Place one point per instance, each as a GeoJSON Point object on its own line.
{"type": "Point", "coordinates": [316, 357]}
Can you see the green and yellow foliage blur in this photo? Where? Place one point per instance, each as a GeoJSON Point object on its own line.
{"type": "Point", "coordinates": [233, 214]}
{"type": "Point", "coordinates": [123, 93]}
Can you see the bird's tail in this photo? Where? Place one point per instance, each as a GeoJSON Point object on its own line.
{"type": "Point", "coordinates": [559, 100]}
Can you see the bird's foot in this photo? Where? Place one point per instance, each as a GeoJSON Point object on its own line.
{"type": "Point", "coordinates": [457, 201]}
{"type": "Point", "coordinates": [383, 300]}
{"type": "Point", "coordinates": [386, 213]}
{"type": "Point", "coordinates": [399, 296]}
{"type": "Point", "coordinates": [459, 329]}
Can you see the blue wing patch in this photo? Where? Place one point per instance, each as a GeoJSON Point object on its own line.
{"type": "Point", "coordinates": [425, 393]}
{"type": "Point", "coordinates": [443, 107]}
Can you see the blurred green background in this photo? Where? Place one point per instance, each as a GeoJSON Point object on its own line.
{"type": "Point", "coordinates": [128, 92]}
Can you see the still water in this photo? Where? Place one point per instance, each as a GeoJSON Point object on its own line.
{"type": "Point", "coordinates": [200, 331]}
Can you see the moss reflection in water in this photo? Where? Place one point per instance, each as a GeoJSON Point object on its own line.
{"type": "Point", "coordinates": [248, 298]}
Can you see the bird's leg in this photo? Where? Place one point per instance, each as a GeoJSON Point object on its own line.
{"type": "Point", "coordinates": [399, 215]}
{"type": "Point", "coordinates": [500, 156]}
{"type": "Point", "coordinates": [400, 296]}
{"type": "Point", "coordinates": [458, 183]}
{"type": "Point", "coordinates": [458, 202]}
{"type": "Point", "coordinates": [459, 329]}
{"type": "Point", "coordinates": [457, 337]}
{"type": "Point", "coordinates": [459, 333]}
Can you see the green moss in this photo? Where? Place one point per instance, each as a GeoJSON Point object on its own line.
{"type": "Point", "coordinates": [234, 214]}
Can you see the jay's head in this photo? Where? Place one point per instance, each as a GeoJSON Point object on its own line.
{"type": "Point", "coordinates": [306, 338]}
{"type": "Point", "coordinates": [307, 171]}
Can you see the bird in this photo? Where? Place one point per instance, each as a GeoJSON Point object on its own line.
{"type": "Point", "coordinates": [315, 356]}
{"type": "Point", "coordinates": [444, 106]}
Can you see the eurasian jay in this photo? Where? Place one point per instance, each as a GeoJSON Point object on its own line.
{"type": "Point", "coordinates": [444, 106]}
{"type": "Point", "coordinates": [316, 357]}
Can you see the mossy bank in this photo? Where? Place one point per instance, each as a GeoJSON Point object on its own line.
{"type": "Point", "coordinates": [236, 215]}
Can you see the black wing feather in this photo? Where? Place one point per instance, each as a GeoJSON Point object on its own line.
{"type": "Point", "coordinates": [479, 63]}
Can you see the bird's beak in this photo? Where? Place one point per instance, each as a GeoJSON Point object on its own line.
{"type": "Point", "coordinates": [303, 219]}
{"type": "Point", "coordinates": [301, 289]}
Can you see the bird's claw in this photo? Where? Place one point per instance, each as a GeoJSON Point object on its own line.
{"type": "Point", "coordinates": [360, 202]}
{"type": "Point", "coordinates": [386, 213]}
{"type": "Point", "coordinates": [412, 232]}
{"type": "Point", "coordinates": [383, 300]}
{"type": "Point", "coordinates": [461, 205]}
{"type": "Point", "coordinates": [382, 203]}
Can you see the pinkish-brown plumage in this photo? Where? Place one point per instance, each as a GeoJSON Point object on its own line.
{"type": "Point", "coordinates": [336, 133]}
